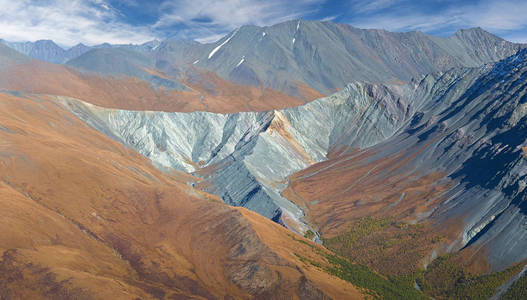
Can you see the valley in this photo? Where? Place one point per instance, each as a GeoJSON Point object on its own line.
{"type": "Point", "coordinates": [303, 160]}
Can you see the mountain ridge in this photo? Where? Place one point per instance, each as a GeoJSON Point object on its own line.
{"type": "Point", "coordinates": [49, 51]}
{"type": "Point", "coordinates": [267, 57]}
{"type": "Point", "coordinates": [281, 56]}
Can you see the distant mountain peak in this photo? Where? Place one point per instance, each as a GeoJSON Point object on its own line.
{"type": "Point", "coordinates": [47, 43]}
{"type": "Point", "coordinates": [79, 45]}
{"type": "Point", "coordinates": [474, 31]}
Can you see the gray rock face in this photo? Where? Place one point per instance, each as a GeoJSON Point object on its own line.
{"type": "Point", "coordinates": [471, 124]}
{"type": "Point", "coordinates": [249, 155]}
{"type": "Point", "coordinates": [327, 55]}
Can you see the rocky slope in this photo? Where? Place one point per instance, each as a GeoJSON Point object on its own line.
{"type": "Point", "coordinates": [458, 164]}
{"type": "Point", "coordinates": [326, 55]}
{"type": "Point", "coordinates": [228, 150]}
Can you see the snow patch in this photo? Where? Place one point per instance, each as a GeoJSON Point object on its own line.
{"type": "Point", "coordinates": [225, 42]}
{"type": "Point", "coordinates": [241, 61]}
{"type": "Point", "coordinates": [297, 27]}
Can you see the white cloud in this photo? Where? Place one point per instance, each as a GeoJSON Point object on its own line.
{"type": "Point", "coordinates": [407, 23]}
{"type": "Point", "coordinates": [329, 18]}
{"type": "Point", "coordinates": [498, 15]}
{"type": "Point", "coordinates": [368, 5]}
{"type": "Point", "coordinates": [67, 22]}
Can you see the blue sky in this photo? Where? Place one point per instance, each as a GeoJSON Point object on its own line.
{"type": "Point", "coordinates": [69, 22]}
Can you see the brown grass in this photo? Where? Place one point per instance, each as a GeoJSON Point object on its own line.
{"type": "Point", "coordinates": [339, 193]}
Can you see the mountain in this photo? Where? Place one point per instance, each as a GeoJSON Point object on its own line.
{"type": "Point", "coordinates": [114, 62]}
{"type": "Point", "coordinates": [10, 57]}
{"type": "Point", "coordinates": [75, 51]}
{"type": "Point", "coordinates": [230, 149]}
{"type": "Point", "coordinates": [300, 55]}
{"type": "Point", "coordinates": [47, 50]}
{"type": "Point", "coordinates": [326, 55]}
{"type": "Point", "coordinates": [457, 164]}
{"type": "Point", "coordinates": [416, 153]}
{"type": "Point", "coordinates": [267, 57]}
{"type": "Point", "coordinates": [296, 57]}
{"type": "Point", "coordinates": [148, 46]}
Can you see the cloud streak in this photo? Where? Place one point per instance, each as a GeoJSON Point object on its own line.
{"type": "Point", "coordinates": [208, 20]}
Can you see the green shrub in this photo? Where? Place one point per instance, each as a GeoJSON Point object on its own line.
{"type": "Point", "coordinates": [446, 279]}
{"type": "Point", "coordinates": [518, 290]}
{"type": "Point", "coordinates": [372, 283]}
{"type": "Point", "coordinates": [309, 234]}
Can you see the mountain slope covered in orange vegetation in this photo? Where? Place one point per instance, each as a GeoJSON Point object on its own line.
{"type": "Point", "coordinates": [87, 218]}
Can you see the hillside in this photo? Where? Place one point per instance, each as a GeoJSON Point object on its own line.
{"type": "Point", "coordinates": [90, 219]}
{"type": "Point", "coordinates": [203, 91]}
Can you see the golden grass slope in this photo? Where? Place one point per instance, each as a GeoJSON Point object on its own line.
{"type": "Point", "coordinates": [374, 211]}
{"type": "Point", "coordinates": [206, 92]}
